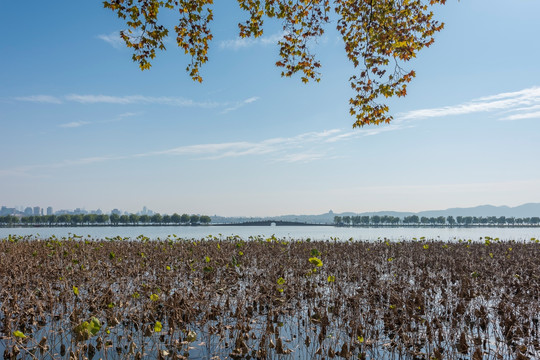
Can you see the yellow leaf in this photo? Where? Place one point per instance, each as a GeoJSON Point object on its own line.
{"type": "Point", "coordinates": [19, 334]}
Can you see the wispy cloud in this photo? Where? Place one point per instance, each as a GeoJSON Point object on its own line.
{"type": "Point", "coordinates": [240, 104]}
{"type": "Point", "coordinates": [300, 148]}
{"type": "Point", "coordinates": [523, 104]}
{"type": "Point", "coordinates": [120, 117]}
{"type": "Point", "coordinates": [251, 99]}
{"type": "Point", "coordinates": [305, 147]}
{"type": "Point", "coordinates": [48, 99]}
{"type": "Point", "coordinates": [240, 43]}
{"type": "Point", "coordinates": [140, 99]}
{"type": "Point", "coordinates": [518, 101]}
{"type": "Point", "coordinates": [127, 114]}
{"type": "Point", "coordinates": [244, 148]}
{"type": "Point", "coordinates": [369, 131]}
{"type": "Point", "coordinates": [228, 106]}
{"type": "Point", "coordinates": [113, 39]}
{"type": "Point", "coordinates": [74, 124]}
{"type": "Point", "coordinates": [527, 115]}
{"type": "Point", "coordinates": [303, 157]}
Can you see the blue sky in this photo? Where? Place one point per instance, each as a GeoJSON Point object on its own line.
{"type": "Point", "coordinates": [82, 126]}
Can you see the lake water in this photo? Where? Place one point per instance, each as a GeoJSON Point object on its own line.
{"type": "Point", "coordinates": [294, 232]}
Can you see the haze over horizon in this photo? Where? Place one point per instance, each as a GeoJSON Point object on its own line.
{"type": "Point", "coordinates": [82, 126]}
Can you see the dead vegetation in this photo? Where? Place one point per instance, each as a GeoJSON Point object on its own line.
{"type": "Point", "coordinates": [268, 299]}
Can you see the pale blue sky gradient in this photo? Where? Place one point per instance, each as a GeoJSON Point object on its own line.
{"type": "Point", "coordinates": [82, 126]}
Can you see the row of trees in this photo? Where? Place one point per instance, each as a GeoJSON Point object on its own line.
{"type": "Point", "coordinates": [377, 220]}
{"type": "Point", "coordinates": [103, 219]}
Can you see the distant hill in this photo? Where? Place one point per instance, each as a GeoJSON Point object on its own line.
{"type": "Point", "coordinates": [521, 211]}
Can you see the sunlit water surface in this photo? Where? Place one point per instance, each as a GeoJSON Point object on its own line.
{"type": "Point", "coordinates": [293, 232]}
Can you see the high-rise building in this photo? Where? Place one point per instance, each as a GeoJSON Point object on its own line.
{"type": "Point", "coordinates": [37, 210]}
{"type": "Point", "coordinates": [28, 211]}
{"type": "Point", "coordinates": [49, 210]}
{"type": "Point", "coordinates": [7, 211]}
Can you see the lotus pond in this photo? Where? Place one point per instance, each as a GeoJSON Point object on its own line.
{"type": "Point", "coordinates": [268, 298]}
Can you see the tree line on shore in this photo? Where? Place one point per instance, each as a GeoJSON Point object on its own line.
{"type": "Point", "coordinates": [105, 219]}
{"type": "Point", "coordinates": [193, 219]}
{"type": "Point", "coordinates": [377, 220]}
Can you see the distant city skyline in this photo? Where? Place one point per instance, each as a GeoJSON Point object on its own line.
{"type": "Point", "coordinates": [485, 210]}
{"type": "Point", "coordinates": [82, 126]}
{"type": "Point", "coordinates": [39, 211]}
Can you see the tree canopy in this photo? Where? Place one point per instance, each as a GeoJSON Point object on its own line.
{"type": "Point", "coordinates": [379, 36]}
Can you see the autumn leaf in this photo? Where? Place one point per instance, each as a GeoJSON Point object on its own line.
{"type": "Point", "coordinates": [378, 37]}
